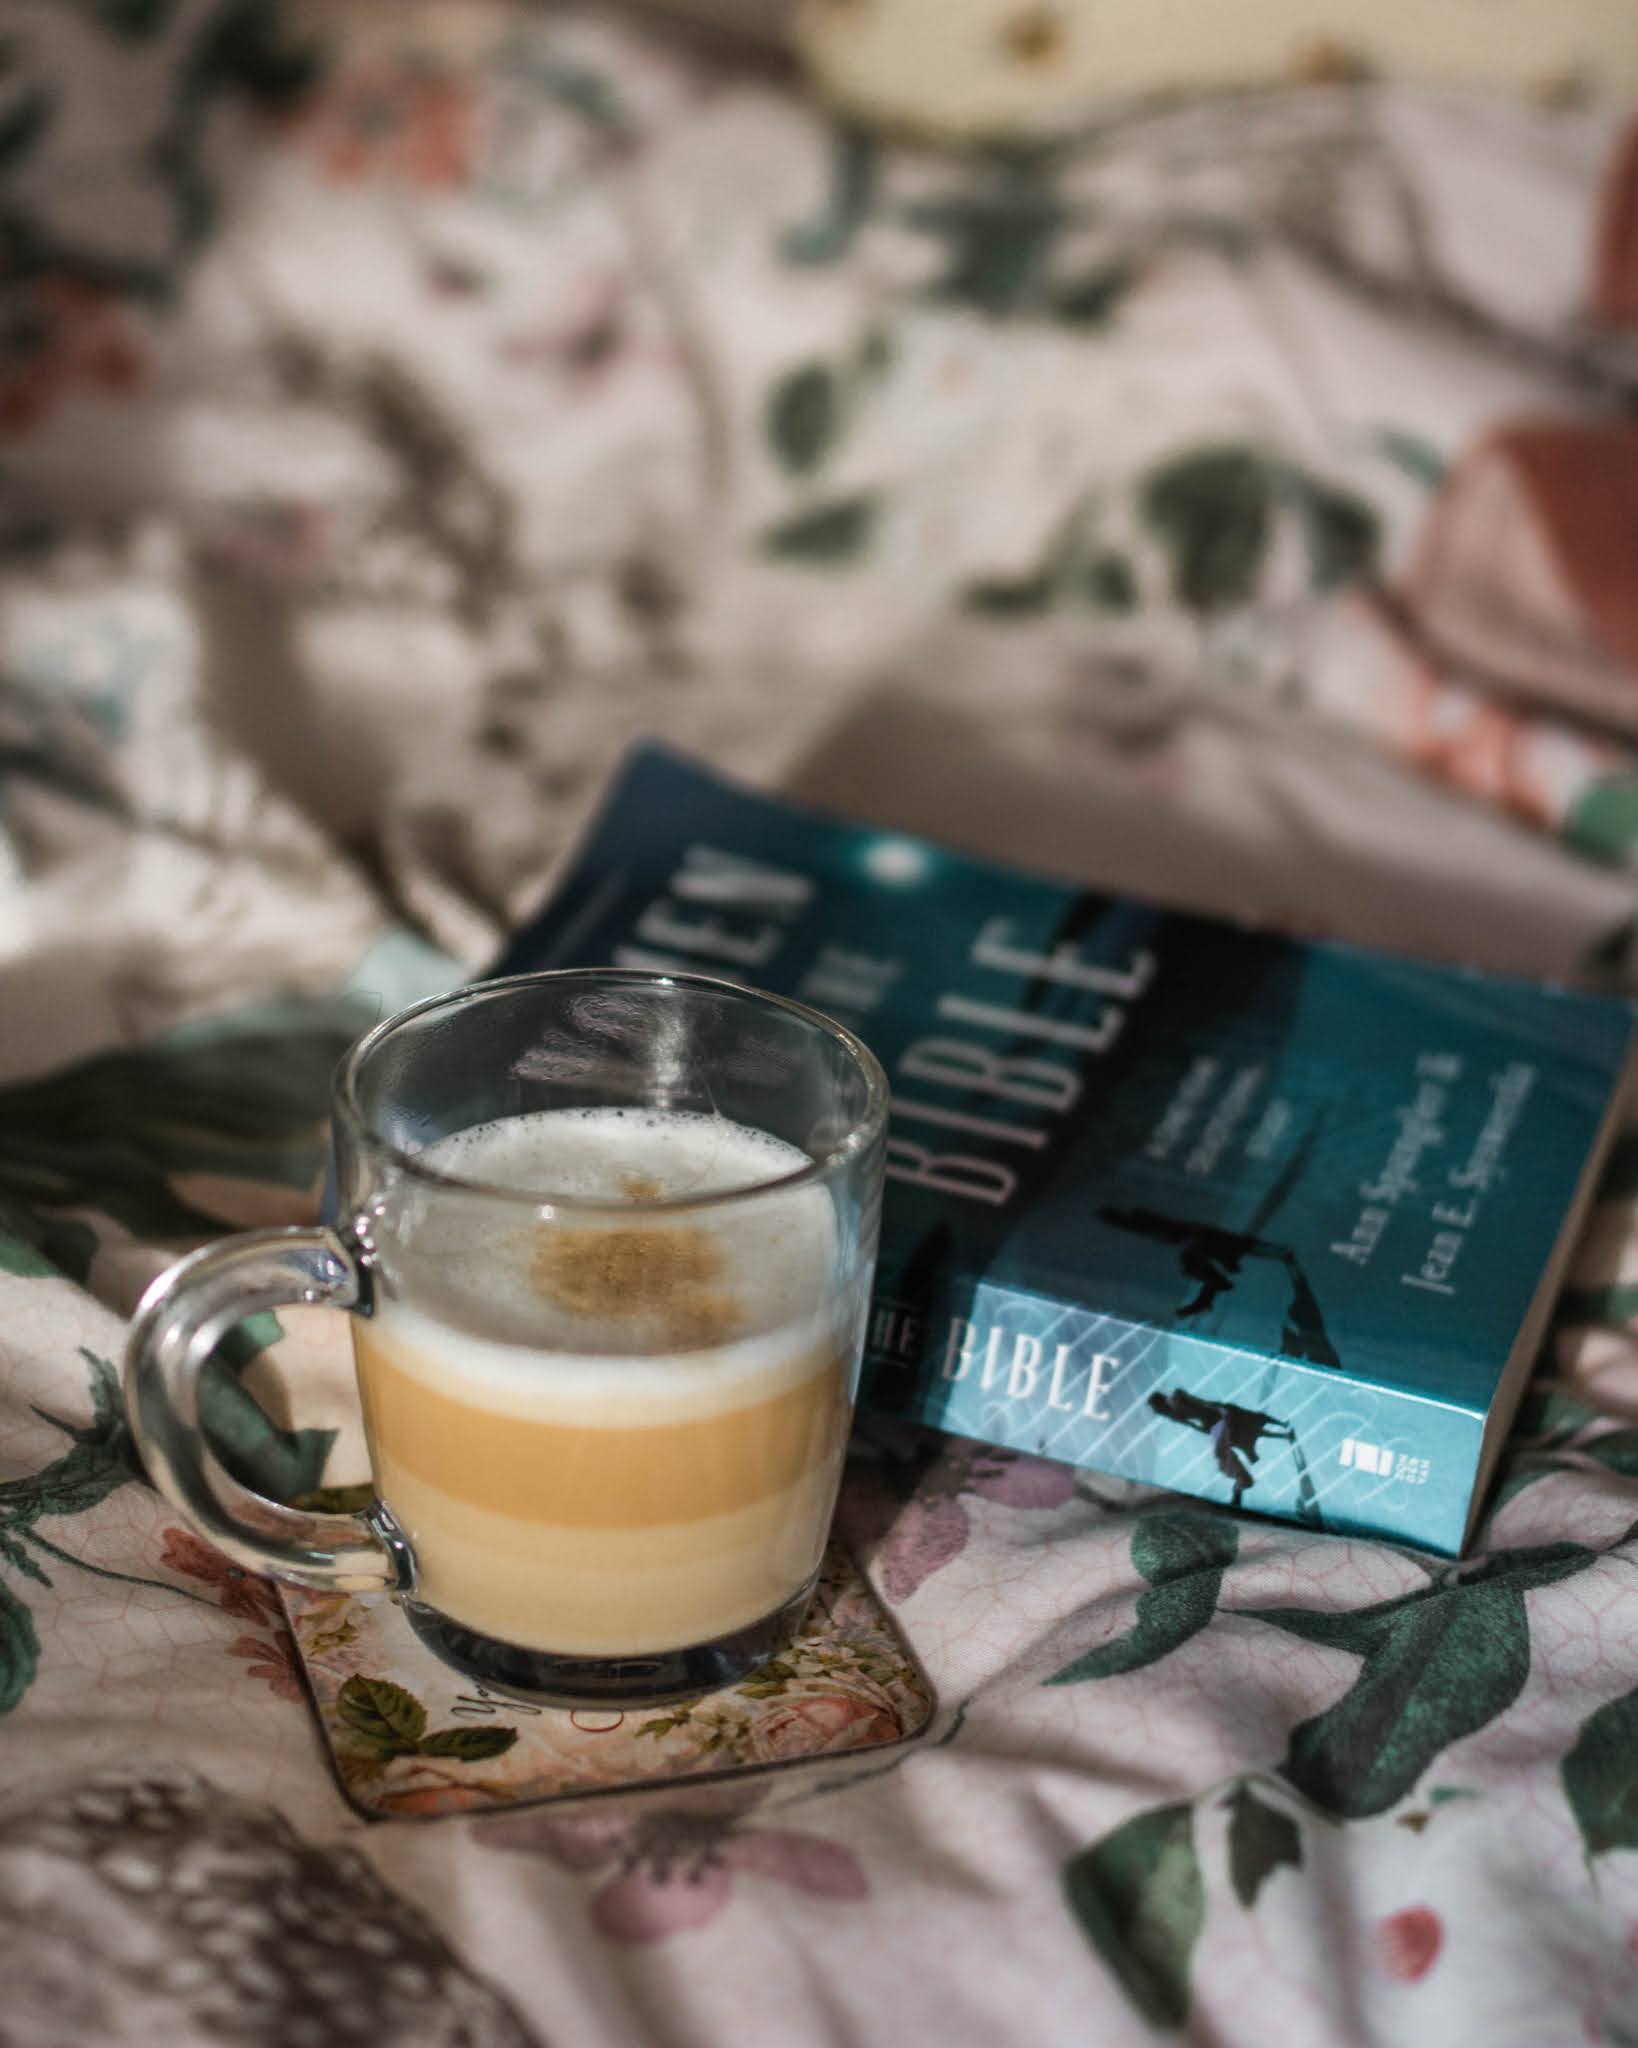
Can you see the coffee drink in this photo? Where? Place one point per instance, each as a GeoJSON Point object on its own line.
{"type": "Point", "coordinates": [609, 1428]}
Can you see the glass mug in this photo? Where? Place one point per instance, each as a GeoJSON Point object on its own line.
{"type": "Point", "coordinates": [608, 1240]}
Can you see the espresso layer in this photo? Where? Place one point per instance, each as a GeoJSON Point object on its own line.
{"type": "Point", "coordinates": [610, 1429]}
{"type": "Point", "coordinates": [625, 1473]}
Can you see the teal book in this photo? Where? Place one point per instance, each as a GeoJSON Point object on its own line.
{"type": "Point", "coordinates": [1273, 1223]}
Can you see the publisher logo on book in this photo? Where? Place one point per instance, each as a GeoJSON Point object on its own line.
{"type": "Point", "coordinates": [1385, 1463]}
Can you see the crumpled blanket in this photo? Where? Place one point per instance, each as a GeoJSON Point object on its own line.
{"type": "Point", "coordinates": [1239, 500]}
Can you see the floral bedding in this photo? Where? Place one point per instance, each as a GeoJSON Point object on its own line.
{"type": "Point", "coordinates": [395, 422]}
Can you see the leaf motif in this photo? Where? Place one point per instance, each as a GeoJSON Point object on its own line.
{"type": "Point", "coordinates": [998, 235]}
{"type": "Point", "coordinates": [1616, 1452]}
{"type": "Point", "coordinates": [35, 1244]}
{"type": "Point", "coordinates": [1006, 597]}
{"type": "Point", "coordinates": [19, 1649]}
{"type": "Point", "coordinates": [1139, 1899]}
{"type": "Point", "coordinates": [103, 1456]}
{"type": "Point", "coordinates": [1418, 458]}
{"type": "Point", "coordinates": [1093, 301]}
{"type": "Point", "coordinates": [1211, 507]}
{"type": "Point", "coordinates": [1514, 1481]}
{"type": "Point", "coordinates": [1549, 1416]}
{"type": "Point", "coordinates": [279, 1463]}
{"type": "Point", "coordinates": [1172, 1546]}
{"type": "Point", "coordinates": [1603, 819]}
{"type": "Point", "coordinates": [1342, 531]}
{"type": "Point", "coordinates": [804, 416]}
{"type": "Point", "coordinates": [826, 536]}
{"type": "Point", "coordinates": [828, 238]}
{"type": "Point", "coordinates": [1601, 1777]}
{"type": "Point", "coordinates": [1167, 1618]}
{"type": "Point", "coordinates": [1262, 1839]}
{"type": "Point", "coordinates": [1183, 1556]}
{"type": "Point", "coordinates": [1527, 1570]}
{"type": "Point", "coordinates": [468, 1745]}
{"type": "Point", "coordinates": [1361, 1630]}
{"type": "Point", "coordinates": [1447, 1663]}
{"type": "Point", "coordinates": [382, 1712]}
{"type": "Point", "coordinates": [21, 1559]}
{"type": "Point", "coordinates": [1109, 583]}
{"type": "Point", "coordinates": [20, 1258]}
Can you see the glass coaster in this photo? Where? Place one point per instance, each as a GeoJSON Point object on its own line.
{"type": "Point", "coordinates": [410, 1738]}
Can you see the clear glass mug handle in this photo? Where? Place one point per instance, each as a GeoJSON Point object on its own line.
{"type": "Point", "coordinates": [179, 1322]}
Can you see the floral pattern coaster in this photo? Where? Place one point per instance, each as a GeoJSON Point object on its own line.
{"type": "Point", "coordinates": [410, 1737]}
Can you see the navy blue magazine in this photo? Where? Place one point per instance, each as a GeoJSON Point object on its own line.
{"type": "Point", "coordinates": [1269, 1222]}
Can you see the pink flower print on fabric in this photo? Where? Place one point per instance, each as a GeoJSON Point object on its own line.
{"type": "Point", "coordinates": [671, 1871]}
{"type": "Point", "coordinates": [907, 1537]}
{"type": "Point", "coordinates": [1408, 1943]}
{"type": "Point", "coordinates": [241, 1594]}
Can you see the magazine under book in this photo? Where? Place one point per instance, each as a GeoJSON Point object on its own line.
{"type": "Point", "coordinates": [1270, 1222]}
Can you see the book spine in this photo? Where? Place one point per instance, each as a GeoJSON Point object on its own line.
{"type": "Point", "coordinates": [1307, 1444]}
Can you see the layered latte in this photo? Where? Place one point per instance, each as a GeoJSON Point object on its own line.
{"type": "Point", "coordinates": [610, 1429]}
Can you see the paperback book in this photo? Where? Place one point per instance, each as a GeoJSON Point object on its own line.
{"type": "Point", "coordinates": [1274, 1223]}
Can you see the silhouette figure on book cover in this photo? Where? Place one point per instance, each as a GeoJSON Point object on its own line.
{"type": "Point", "coordinates": [1211, 1257]}
{"type": "Point", "coordinates": [1234, 1432]}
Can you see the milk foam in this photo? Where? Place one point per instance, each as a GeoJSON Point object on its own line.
{"type": "Point", "coordinates": [463, 1306]}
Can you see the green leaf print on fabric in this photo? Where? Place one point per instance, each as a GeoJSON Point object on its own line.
{"type": "Point", "coordinates": [44, 1247]}
{"type": "Point", "coordinates": [1183, 1556]}
{"type": "Point", "coordinates": [1109, 583]}
{"type": "Point", "coordinates": [1212, 509]}
{"type": "Point", "coordinates": [1139, 1899]}
{"type": "Point", "coordinates": [1445, 1666]}
{"type": "Point", "coordinates": [826, 536]}
{"type": "Point", "coordinates": [1261, 1840]}
{"type": "Point", "coordinates": [829, 236]}
{"type": "Point", "coordinates": [1438, 1664]}
{"type": "Point", "coordinates": [998, 232]}
{"type": "Point", "coordinates": [1601, 1777]}
{"type": "Point", "coordinates": [804, 416]}
{"type": "Point", "coordinates": [19, 1649]}
{"type": "Point", "coordinates": [253, 1449]}
{"type": "Point", "coordinates": [112, 1135]}
{"type": "Point", "coordinates": [101, 1457]}
{"type": "Point", "coordinates": [1418, 458]}
{"type": "Point", "coordinates": [1093, 301]}
{"type": "Point", "coordinates": [1603, 820]}
{"type": "Point", "coordinates": [1617, 1451]}
{"type": "Point", "coordinates": [1010, 597]}
{"type": "Point", "coordinates": [1342, 531]}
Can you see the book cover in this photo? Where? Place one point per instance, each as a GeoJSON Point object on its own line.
{"type": "Point", "coordinates": [1269, 1222]}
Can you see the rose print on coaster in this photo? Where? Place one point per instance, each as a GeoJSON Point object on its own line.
{"type": "Point", "coordinates": [667, 1871]}
{"type": "Point", "coordinates": [412, 1739]}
